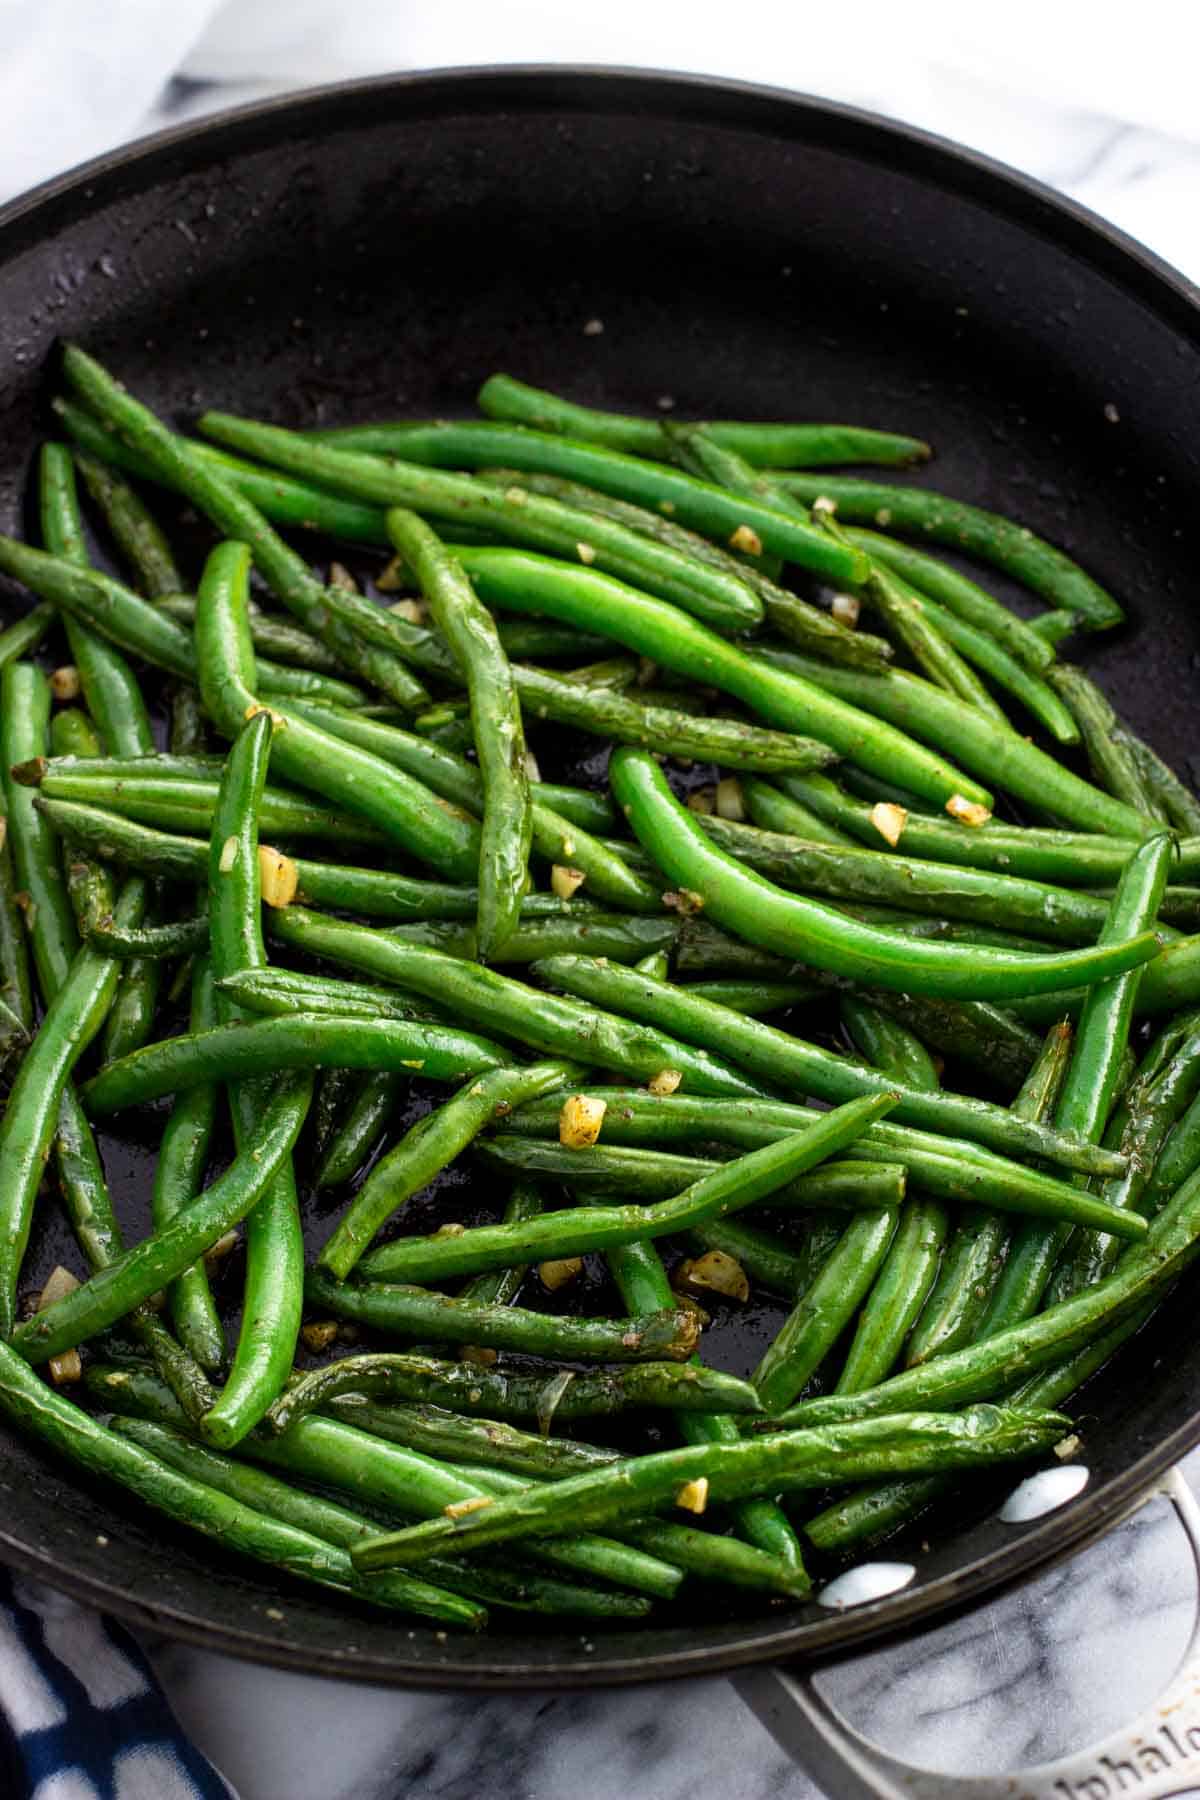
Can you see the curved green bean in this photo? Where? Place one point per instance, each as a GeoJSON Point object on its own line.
{"type": "Point", "coordinates": [765, 914]}
{"type": "Point", "coordinates": [300, 1041]}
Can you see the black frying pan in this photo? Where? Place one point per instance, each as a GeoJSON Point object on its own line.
{"type": "Point", "coordinates": [378, 248]}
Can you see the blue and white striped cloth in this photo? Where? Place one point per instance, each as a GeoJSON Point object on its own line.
{"type": "Point", "coordinates": [81, 1715]}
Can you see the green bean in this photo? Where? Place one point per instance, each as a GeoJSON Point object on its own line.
{"type": "Point", "coordinates": [277, 497]}
{"type": "Point", "coordinates": [67, 1430]}
{"type": "Point", "coordinates": [452, 776]}
{"type": "Point", "coordinates": [765, 445]}
{"type": "Point", "coordinates": [410, 1312]}
{"type": "Point", "coordinates": [726, 741]}
{"type": "Point", "coordinates": [939, 719]}
{"type": "Point", "coordinates": [754, 997]}
{"type": "Point", "coordinates": [189, 804]}
{"type": "Point", "coordinates": [620, 936]}
{"type": "Point", "coordinates": [825, 1309]}
{"type": "Point", "coordinates": [768, 915]}
{"type": "Point", "coordinates": [985, 1038]}
{"type": "Point", "coordinates": [951, 1167]}
{"type": "Point", "coordinates": [996, 1364]}
{"type": "Point", "coordinates": [518, 581]}
{"type": "Point", "coordinates": [334, 1454]}
{"type": "Point", "coordinates": [657, 1175]}
{"type": "Point", "coordinates": [910, 1263]}
{"type": "Point", "coordinates": [1090, 1087]}
{"type": "Point", "coordinates": [358, 632]}
{"type": "Point", "coordinates": [427, 1148]}
{"type": "Point", "coordinates": [24, 720]}
{"type": "Point", "coordinates": [134, 528]}
{"type": "Point", "coordinates": [141, 1271]}
{"type": "Point", "coordinates": [916, 625]}
{"type": "Point", "coordinates": [543, 1022]}
{"type": "Point", "coordinates": [73, 734]}
{"type": "Point", "coordinates": [130, 1021]}
{"type": "Point", "coordinates": [1053, 627]}
{"type": "Point", "coordinates": [182, 937]}
{"type": "Point", "coordinates": [957, 594]}
{"type": "Point", "coordinates": [1112, 761]}
{"type": "Point", "coordinates": [1071, 859]}
{"type": "Point", "coordinates": [514, 1588]}
{"type": "Point", "coordinates": [495, 721]}
{"type": "Point", "coordinates": [273, 1299]}
{"type": "Point", "coordinates": [359, 1131]}
{"type": "Point", "coordinates": [178, 1177]}
{"type": "Point", "coordinates": [1013, 548]}
{"type": "Point", "coordinates": [976, 1252]}
{"type": "Point", "coordinates": [16, 987]}
{"type": "Point", "coordinates": [373, 789]}
{"type": "Point", "coordinates": [789, 1460]}
{"type": "Point", "coordinates": [600, 1393]}
{"type": "Point", "coordinates": [324, 1520]}
{"type": "Point", "coordinates": [281, 992]}
{"type": "Point", "coordinates": [570, 1232]}
{"type": "Point", "coordinates": [300, 1041]}
{"type": "Point", "coordinates": [772, 809]}
{"type": "Point", "coordinates": [1179, 1156]}
{"type": "Point", "coordinates": [785, 612]}
{"type": "Point", "coordinates": [410, 482]}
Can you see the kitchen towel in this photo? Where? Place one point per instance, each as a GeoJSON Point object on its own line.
{"type": "Point", "coordinates": [81, 1715]}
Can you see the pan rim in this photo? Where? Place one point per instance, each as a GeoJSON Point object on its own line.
{"type": "Point", "coordinates": [778, 112]}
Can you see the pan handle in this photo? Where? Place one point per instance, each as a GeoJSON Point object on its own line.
{"type": "Point", "coordinates": [1157, 1755]}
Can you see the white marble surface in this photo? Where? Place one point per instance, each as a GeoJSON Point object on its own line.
{"type": "Point", "coordinates": [1095, 102]}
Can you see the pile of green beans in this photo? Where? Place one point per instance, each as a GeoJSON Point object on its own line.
{"type": "Point", "coordinates": [759, 1003]}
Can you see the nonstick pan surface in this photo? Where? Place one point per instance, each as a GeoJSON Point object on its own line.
{"type": "Point", "coordinates": [378, 248]}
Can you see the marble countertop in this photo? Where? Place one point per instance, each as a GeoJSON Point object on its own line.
{"type": "Point", "coordinates": [1043, 1670]}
